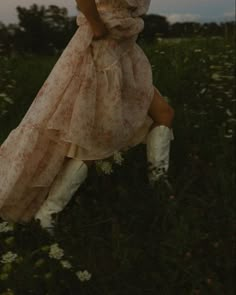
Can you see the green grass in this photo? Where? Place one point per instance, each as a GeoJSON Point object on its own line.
{"type": "Point", "coordinates": [131, 238]}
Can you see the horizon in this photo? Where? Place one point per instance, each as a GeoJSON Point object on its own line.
{"type": "Point", "coordinates": [181, 11]}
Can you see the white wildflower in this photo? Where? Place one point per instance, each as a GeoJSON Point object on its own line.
{"type": "Point", "coordinates": [39, 262]}
{"type": "Point", "coordinates": [197, 50]}
{"type": "Point", "coordinates": [185, 106]}
{"type": "Point", "coordinates": [5, 227]}
{"type": "Point", "coordinates": [66, 264]}
{"type": "Point", "coordinates": [3, 112]}
{"type": "Point", "coordinates": [203, 113]}
{"type": "Point", "coordinates": [215, 67]}
{"type": "Point", "coordinates": [203, 91]}
{"type": "Point", "coordinates": [9, 241]}
{"type": "Point", "coordinates": [229, 113]}
{"type": "Point", "coordinates": [8, 291]}
{"type": "Point", "coordinates": [231, 120]}
{"type": "Point", "coordinates": [186, 59]}
{"type": "Point", "coordinates": [105, 166]}
{"type": "Point", "coordinates": [3, 94]}
{"type": "Point", "coordinates": [48, 275]}
{"type": "Point", "coordinates": [166, 98]}
{"type": "Point", "coordinates": [83, 275]}
{"type": "Point", "coordinates": [10, 86]}
{"type": "Point", "coordinates": [56, 252]}
{"type": "Point", "coordinates": [8, 99]}
{"type": "Point", "coordinates": [5, 97]}
{"type": "Point", "coordinates": [229, 77]}
{"type": "Point", "coordinates": [13, 81]}
{"type": "Point", "coordinates": [216, 77]}
{"type": "Point", "coordinates": [228, 64]}
{"type": "Point", "coordinates": [228, 136]}
{"type": "Point", "coordinates": [9, 257]}
{"type": "Point", "coordinates": [118, 158]}
{"type": "Point", "coordinates": [218, 86]}
{"type": "Point", "coordinates": [229, 93]}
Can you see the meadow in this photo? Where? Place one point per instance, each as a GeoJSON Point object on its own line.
{"type": "Point", "coordinates": [119, 236]}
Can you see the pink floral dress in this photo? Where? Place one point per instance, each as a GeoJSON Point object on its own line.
{"type": "Point", "coordinates": [94, 102]}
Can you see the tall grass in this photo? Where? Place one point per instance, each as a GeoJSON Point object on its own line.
{"type": "Point", "coordinates": [134, 239]}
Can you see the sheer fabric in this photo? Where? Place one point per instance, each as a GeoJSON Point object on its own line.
{"type": "Point", "coordinates": [94, 102]}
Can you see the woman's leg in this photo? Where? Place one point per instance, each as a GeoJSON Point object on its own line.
{"type": "Point", "coordinates": [72, 174]}
{"type": "Point", "coordinates": [160, 111]}
{"type": "Point", "coordinates": [159, 137]}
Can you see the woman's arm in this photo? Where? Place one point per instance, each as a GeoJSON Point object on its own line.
{"type": "Point", "coordinates": [89, 9]}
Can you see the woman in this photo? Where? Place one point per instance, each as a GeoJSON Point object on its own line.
{"type": "Point", "coordinates": [99, 98]}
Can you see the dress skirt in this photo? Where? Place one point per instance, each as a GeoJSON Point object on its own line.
{"type": "Point", "coordinates": [94, 102]}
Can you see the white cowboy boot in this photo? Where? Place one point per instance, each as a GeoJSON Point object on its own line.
{"type": "Point", "coordinates": [72, 175]}
{"type": "Point", "coordinates": [158, 149]}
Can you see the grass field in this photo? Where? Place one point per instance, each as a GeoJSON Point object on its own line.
{"type": "Point", "coordinates": [132, 239]}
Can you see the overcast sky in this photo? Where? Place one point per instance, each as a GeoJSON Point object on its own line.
{"type": "Point", "coordinates": [175, 10]}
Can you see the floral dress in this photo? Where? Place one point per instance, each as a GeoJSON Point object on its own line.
{"type": "Point", "coordinates": [94, 102]}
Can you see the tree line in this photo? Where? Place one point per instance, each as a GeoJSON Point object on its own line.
{"type": "Point", "coordinates": [47, 30]}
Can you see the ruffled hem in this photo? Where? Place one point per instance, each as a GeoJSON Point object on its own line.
{"type": "Point", "coordinates": [30, 160]}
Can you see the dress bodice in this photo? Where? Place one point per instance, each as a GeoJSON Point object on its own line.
{"type": "Point", "coordinates": [113, 3]}
{"type": "Point", "coordinates": [121, 17]}
{"type": "Point", "coordinates": [138, 7]}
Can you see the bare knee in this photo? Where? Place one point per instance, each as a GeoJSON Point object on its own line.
{"type": "Point", "coordinates": [164, 118]}
{"type": "Point", "coordinates": [160, 111]}
{"type": "Point", "coordinates": [170, 112]}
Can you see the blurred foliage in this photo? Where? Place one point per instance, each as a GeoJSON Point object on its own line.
{"type": "Point", "coordinates": [47, 30]}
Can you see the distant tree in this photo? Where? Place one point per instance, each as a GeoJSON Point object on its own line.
{"type": "Point", "coordinates": [4, 39]}
{"type": "Point", "coordinates": [184, 29]}
{"type": "Point", "coordinates": [155, 25]}
{"type": "Point", "coordinates": [59, 26]}
{"type": "Point", "coordinates": [229, 29]}
{"type": "Point", "coordinates": [32, 34]}
{"type": "Point", "coordinates": [47, 30]}
{"type": "Point", "coordinates": [212, 29]}
{"type": "Point", "coordinates": [43, 30]}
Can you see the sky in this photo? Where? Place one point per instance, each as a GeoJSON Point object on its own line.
{"type": "Point", "coordinates": [174, 10]}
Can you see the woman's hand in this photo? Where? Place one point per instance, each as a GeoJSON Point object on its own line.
{"type": "Point", "coordinates": [100, 30]}
{"type": "Point", "coordinates": [89, 9]}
